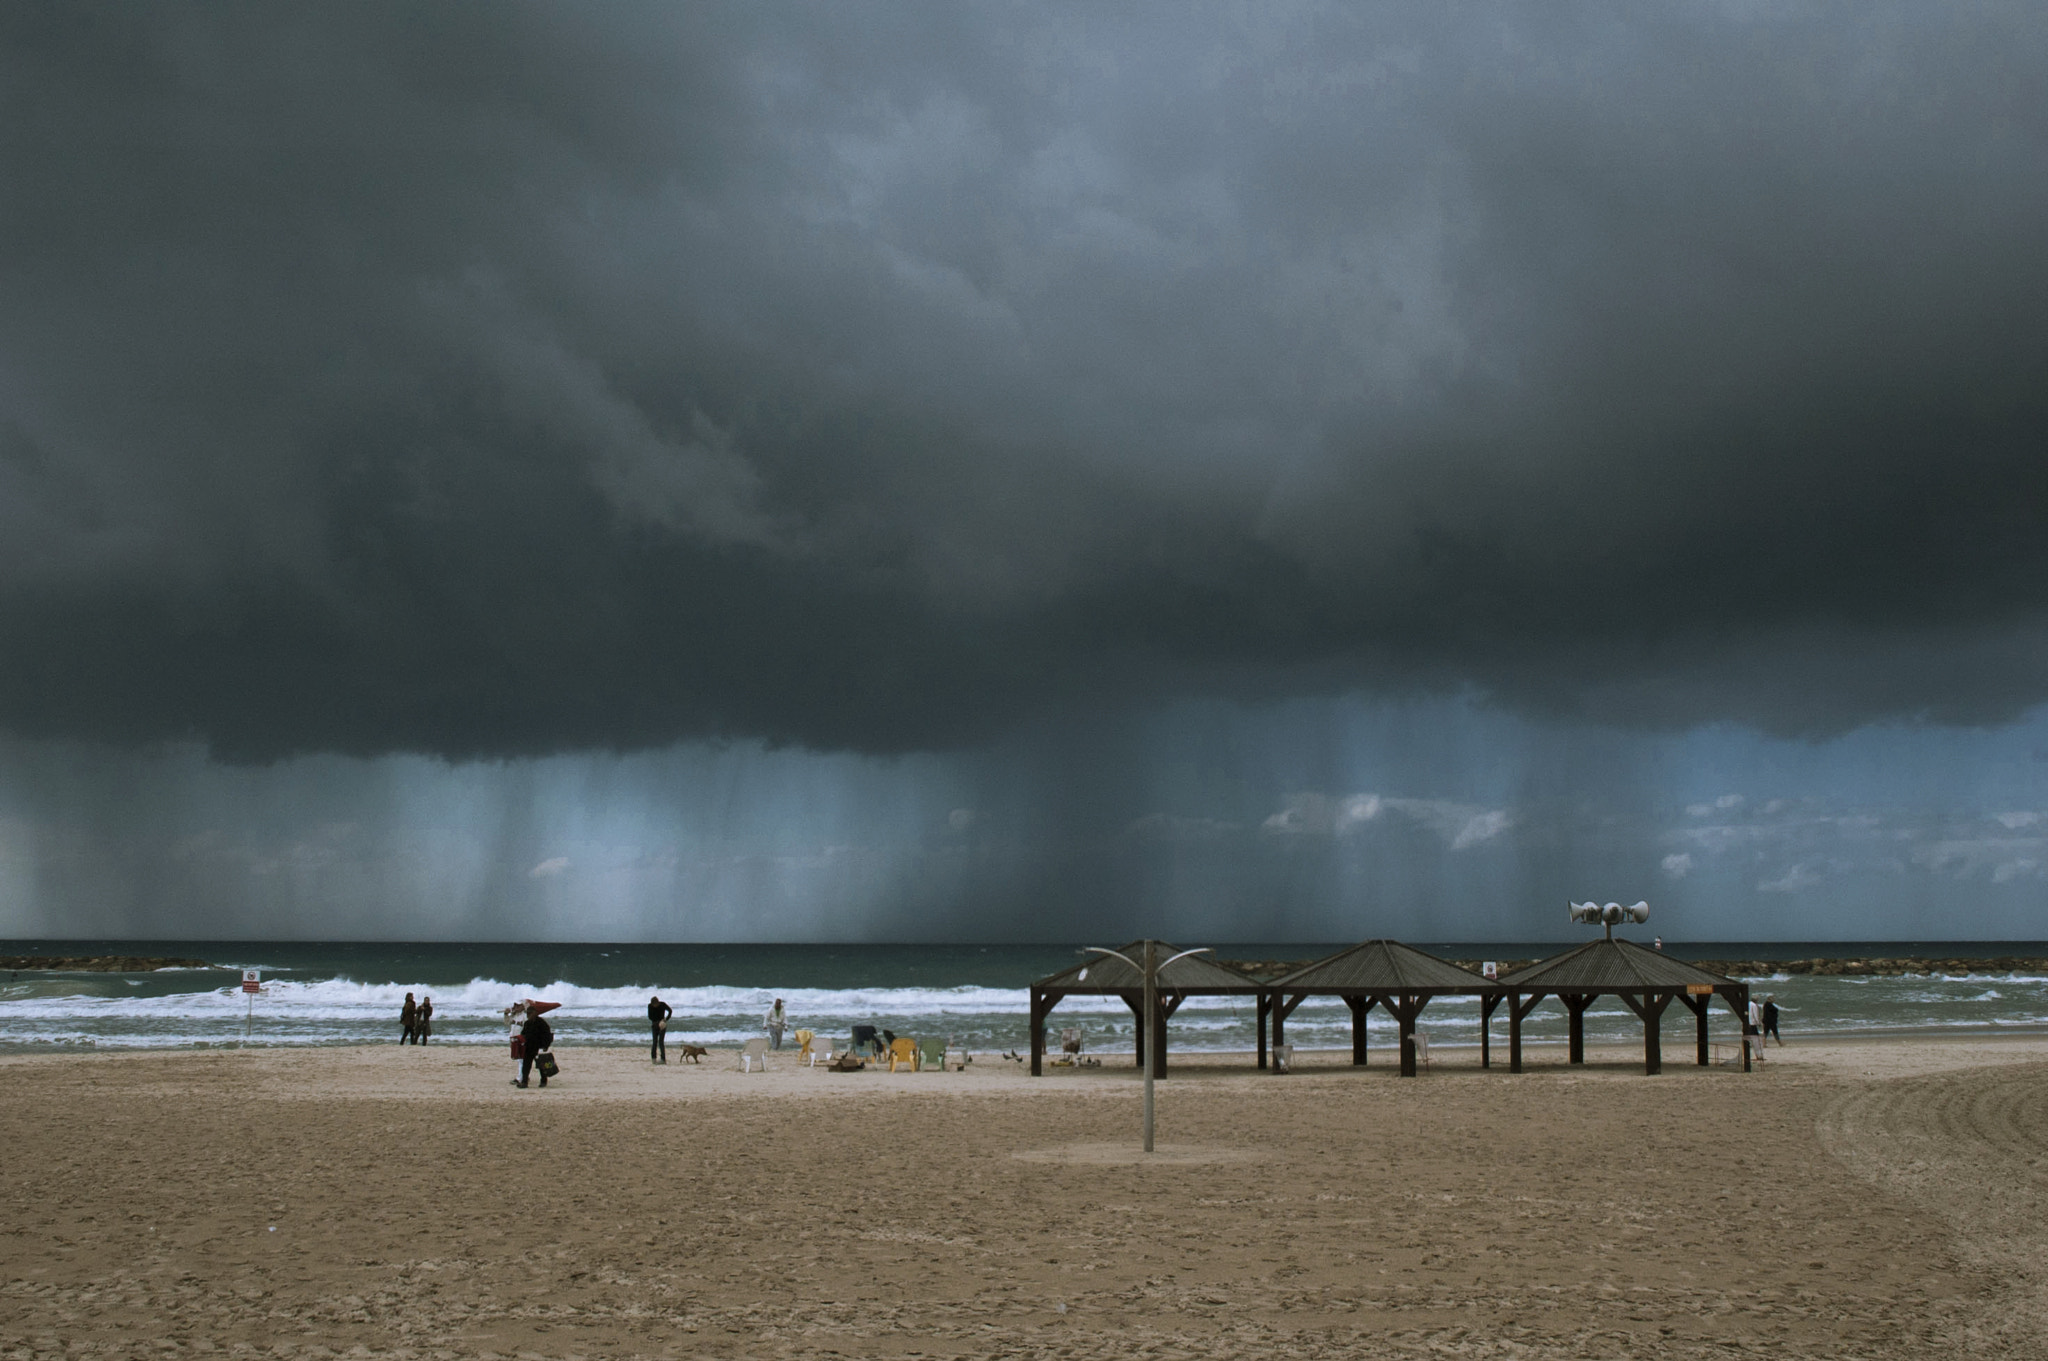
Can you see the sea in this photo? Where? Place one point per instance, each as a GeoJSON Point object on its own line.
{"type": "Point", "coordinates": [976, 996]}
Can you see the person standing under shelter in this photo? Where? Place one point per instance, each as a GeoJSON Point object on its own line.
{"type": "Point", "coordinates": [408, 1020]}
{"type": "Point", "coordinates": [777, 1021]}
{"type": "Point", "coordinates": [658, 1013]}
{"type": "Point", "coordinates": [1770, 1022]}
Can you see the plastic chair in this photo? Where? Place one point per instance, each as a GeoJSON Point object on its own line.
{"type": "Point", "coordinates": [1071, 1041]}
{"type": "Point", "coordinates": [803, 1040]}
{"type": "Point", "coordinates": [903, 1051]}
{"type": "Point", "coordinates": [1421, 1049]}
{"type": "Point", "coordinates": [932, 1054]}
{"type": "Point", "coordinates": [817, 1050]}
{"type": "Point", "coordinates": [756, 1048]}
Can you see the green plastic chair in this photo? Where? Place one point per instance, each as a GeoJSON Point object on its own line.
{"type": "Point", "coordinates": [931, 1055]}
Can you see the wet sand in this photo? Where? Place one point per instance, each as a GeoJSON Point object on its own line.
{"type": "Point", "coordinates": [1849, 1199]}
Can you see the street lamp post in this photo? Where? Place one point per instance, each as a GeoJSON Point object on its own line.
{"type": "Point", "coordinates": [1150, 1023]}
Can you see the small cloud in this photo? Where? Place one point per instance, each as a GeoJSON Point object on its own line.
{"type": "Point", "coordinates": [1304, 813]}
{"type": "Point", "coordinates": [2014, 869]}
{"type": "Point", "coordinates": [1484, 827]}
{"type": "Point", "coordinates": [1679, 865]}
{"type": "Point", "coordinates": [960, 819]}
{"type": "Point", "coordinates": [1727, 801]}
{"type": "Point", "coordinates": [1800, 876]}
{"type": "Point", "coordinates": [1165, 827]}
{"type": "Point", "coordinates": [2012, 822]}
{"type": "Point", "coordinates": [1286, 822]}
{"type": "Point", "coordinates": [1358, 810]}
{"type": "Point", "coordinates": [549, 868]}
{"type": "Point", "coordinates": [1698, 810]}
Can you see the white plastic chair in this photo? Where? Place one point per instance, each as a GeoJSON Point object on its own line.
{"type": "Point", "coordinates": [1421, 1049]}
{"type": "Point", "coordinates": [756, 1048]}
{"type": "Point", "coordinates": [820, 1051]}
{"type": "Point", "coordinates": [1283, 1057]}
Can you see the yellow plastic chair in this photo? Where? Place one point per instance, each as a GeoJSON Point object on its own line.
{"type": "Point", "coordinates": [903, 1051]}
{"type": "Point", "coordinates": [803, 1042]}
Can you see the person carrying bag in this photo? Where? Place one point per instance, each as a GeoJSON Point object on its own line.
{"type": "Point", "coordinates": [537, 1037]}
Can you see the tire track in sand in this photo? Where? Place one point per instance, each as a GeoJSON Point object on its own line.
{"type": "Point", "coordinates": [1973, 1147]}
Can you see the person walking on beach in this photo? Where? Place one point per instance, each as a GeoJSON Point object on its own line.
{"type": "Point", "coordinates": [408, 1020]}
{"type": "Point", "coordinates": [658, 1013]}
{"type": "Point", "coordinates": [535, 1035]}
{"type": "Point", "coordinates": [1770, 1022]}
{"type": "Point", "coordinates": [777, 1021]}
{"type": "Point", "coordinates": [424, 1019]}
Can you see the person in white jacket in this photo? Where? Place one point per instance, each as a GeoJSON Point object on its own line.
{"type": "Point", "coordinates": [777, 1021]}
{"type": "Point", "coordinates": [515, 1021]}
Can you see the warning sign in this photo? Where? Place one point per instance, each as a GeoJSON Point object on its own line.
{"type": "Point", "coordinates": [252, 980]}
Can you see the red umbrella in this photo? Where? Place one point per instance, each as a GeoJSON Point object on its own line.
{"type": "Point", "coordinates": [540, 1008]}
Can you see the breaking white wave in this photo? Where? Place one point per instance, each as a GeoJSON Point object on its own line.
{"type": "Point", "coordinates": [156, 1011]}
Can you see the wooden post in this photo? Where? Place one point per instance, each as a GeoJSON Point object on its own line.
{"type": "Point", "coordinates": [1487, 1005]}
{"type": "Point", "coordinates": [1699, 1015]}
{"type": "Point", "coordinates": [1038, 1010]}
{"type": "Point", "coordinates": [1361, 1007]}
{"type": "Point", "coordinates": [1576, 1004]}
{"type": "Point", "coordinates": [1653, 1034]}
{"type": "Point", "coordinates": [1408, 1006]}
{"type": "Point", "coordinates": [1265, 1005]}
{"type": "Point", "coordinates": [1651, 1009]}
{"type": "Point", "coordinates": [1283, 1007]}
{"type": "Point", "coordinates": [1158, 1037]}
{"type": "Point", "coordinates": [1514, 1032]}
{"type": "Point", "coordinates": [1517, 1009]}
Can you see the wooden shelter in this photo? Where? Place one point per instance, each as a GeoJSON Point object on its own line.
{"type": "Point", "coordinates": [1108, 976]}
{"type": "Point", "coordinates": [1647, 981]}
{"type": "Point", "coordinates": [1373, 973]}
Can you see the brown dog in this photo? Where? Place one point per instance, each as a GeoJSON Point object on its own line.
{"type": "Point", "coordinates": [692, 1052]}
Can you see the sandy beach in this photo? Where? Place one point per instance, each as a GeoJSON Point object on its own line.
{"type": "Point", "coordinates": [1868, 1199]}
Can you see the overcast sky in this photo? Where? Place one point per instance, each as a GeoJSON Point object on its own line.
{"type": "Point", "coordinates": [774, 471]}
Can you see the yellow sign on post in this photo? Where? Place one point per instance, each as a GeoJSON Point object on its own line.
{"type": "Point", "coordinates": [1700, 989]}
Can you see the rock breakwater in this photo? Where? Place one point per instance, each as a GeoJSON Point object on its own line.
{"type": "Point", "coordinates": [98, 963]}
{"type": "Point", "coordinates": [1874, 968]}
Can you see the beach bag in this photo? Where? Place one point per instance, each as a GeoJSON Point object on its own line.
{"type": "Point", "coordinates": [518, 1048]}
{"type": "Point", "coordinates": [546, 1063]}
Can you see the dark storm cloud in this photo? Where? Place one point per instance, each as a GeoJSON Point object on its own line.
{"type": "Point", "coordinates": [493, 379]}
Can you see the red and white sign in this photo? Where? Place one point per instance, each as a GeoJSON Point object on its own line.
{"type": "Point", "coordinates": [252, 980]}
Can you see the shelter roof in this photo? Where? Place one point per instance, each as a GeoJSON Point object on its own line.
{"type": "Point", "coordinates": [1610, 966]}
{"type": "Point", "coordinates": [1381, 965]}
{"type": "Point", "coordinates": [1107, 973]}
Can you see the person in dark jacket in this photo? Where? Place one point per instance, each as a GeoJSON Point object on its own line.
{"type": "Point", "coordinates": [658, 1013]}
{"type": "Point", "coordinates": [408, 1020]}
{"type": "Point", "coordinates": [1771, 1023]}
{"type": "Point", "coordinates": [425, 1020]}
{"type": "Point", "coordinates": [535, 1036]}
